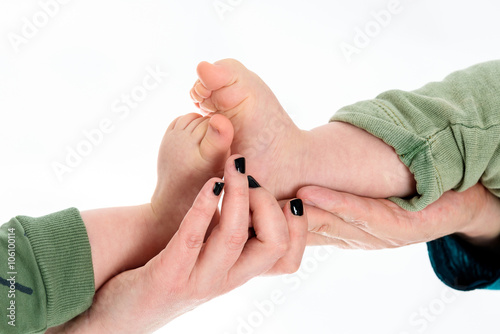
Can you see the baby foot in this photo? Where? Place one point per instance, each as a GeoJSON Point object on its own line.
{"type": "Point", "coordinates": [194, 149]}
{"type": "Point", "coordinates": [264, 133]}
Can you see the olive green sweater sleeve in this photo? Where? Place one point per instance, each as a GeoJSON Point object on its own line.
{"type": "Point", "coordinates": [447, 133]}
{"type": "Point", "coordinates": [46, 274]}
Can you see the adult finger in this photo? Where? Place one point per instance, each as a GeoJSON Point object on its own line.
{"type": "Point", "coordinates": [325, 228]}
{"type": "Point", "coordinates": [271, 241]}
{"type": "Point", "coordinates": [227, 240]}
{"type": "Point", "coordinates": [344, 205]}
{"type": "Point", "coordinates": [374, 216]}
{"type": "Point", "coordinates": [178, 259]}
{"type": "Point", "coordinates": [365, 223]}
{"type": "Point", "coordinates": [296, 217]}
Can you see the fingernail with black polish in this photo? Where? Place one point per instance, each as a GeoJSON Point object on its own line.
{"type": "Point", "coordinates": [240, 165]}
{"type": "Point", "coordinates": [297, 207]}
{"type": "Point", "coordinates": [252, 183]}
{"type": "Point", "coordinates": [218, 186]}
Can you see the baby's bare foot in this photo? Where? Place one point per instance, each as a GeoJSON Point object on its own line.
{"type": "Point", "coordinates": [194, 149]}
{"type": "Point", "coordinates": [264, 133]}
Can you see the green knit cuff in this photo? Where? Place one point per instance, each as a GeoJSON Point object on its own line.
{"type": "Point", "coordinates": [379, 118]}
{"type": "Point", "coordinates": [62, 250]}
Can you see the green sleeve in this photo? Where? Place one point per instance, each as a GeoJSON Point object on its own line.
{"type": "Point", "coordinates": [447, 133]}
{"type": "Point", "coordinates": [46, 274]}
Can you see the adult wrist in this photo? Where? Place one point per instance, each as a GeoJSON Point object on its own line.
{"type": "Point", "coordinates": [483, 230]}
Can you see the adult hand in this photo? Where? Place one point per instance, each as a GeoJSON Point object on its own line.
{"type": "Point", "coordinates": [189, 272]}
{"type": "Point", "coordinates": [350, 221]}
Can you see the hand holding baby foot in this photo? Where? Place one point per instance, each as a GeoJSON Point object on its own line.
{"type": "Point", "coordinates": [190, 271]}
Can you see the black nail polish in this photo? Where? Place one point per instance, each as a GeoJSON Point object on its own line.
{"type": "Point", "coordinates": [218, 186]}
{"type": "Point", "coordinates": [240, 165]}
{"type": "Point", "coordinates": [252, 183]}
{"type": "Point", "coordinates": [297, 207]}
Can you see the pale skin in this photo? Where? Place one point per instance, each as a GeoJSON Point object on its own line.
{"type": "Point", "coordinates": [356, 222]}
{"type": "Point", "coordinates": [207, 142]}
{"type": "Point", "coordinates": [189, 271]}
{"type": "Point", "coordinates": [199, 146]}
{"type": "Point", "coordinates": [335, 156]}
{"type": "Point", "coordinates": [124, 240]}
{"type": "Point", "coordinates": [285, 160]}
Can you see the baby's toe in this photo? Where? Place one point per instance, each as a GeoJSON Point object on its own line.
{"type": "Point", "coordinates": [215, 145]}
{"type": "Point", "coordinates": [195, 96]}
{"type": "Point", "coordinates": [207, 106]}
{"type": "Point", "coordinates": [216, 76]}
{"type": "Point", "coordinates": [201, 90]}
{"type": "Point", "coordinates": [182, 122]}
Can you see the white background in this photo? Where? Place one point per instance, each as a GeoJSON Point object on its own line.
{"type": "Point", "coordinates": [65, 79]}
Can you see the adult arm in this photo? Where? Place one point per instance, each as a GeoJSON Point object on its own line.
{"type": "Point", "coordinates": [462, 230]}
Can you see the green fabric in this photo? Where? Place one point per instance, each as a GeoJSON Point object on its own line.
{"type": "Point", "coordinates": [447, 133]}
{"type": "Point", "coordinates": [53, 271]}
